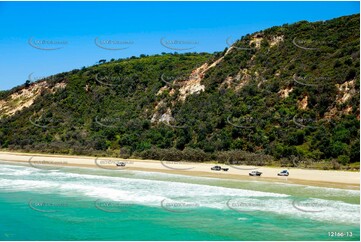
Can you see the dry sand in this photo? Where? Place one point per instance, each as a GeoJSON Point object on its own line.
{"type": "Point", "coordinates": [337, 179]}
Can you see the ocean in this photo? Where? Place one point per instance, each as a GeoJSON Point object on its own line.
{"type": "Point", "coordinates": [97, 204]}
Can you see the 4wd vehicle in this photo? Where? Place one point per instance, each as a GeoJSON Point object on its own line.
{"type": "Point", "coordinates": [120, 163]}
{"type": "Point", "coordinates": [216, 168]}
{"type": "Point", "coordinates": [283, 173]}
{"type": "Point", "coordinates": [255, 173]}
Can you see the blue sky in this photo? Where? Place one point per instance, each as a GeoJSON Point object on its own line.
{"type": "Point", "coordinates": [133, 28]}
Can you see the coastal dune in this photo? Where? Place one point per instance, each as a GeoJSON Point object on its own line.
{"type": "Point", "coordinates": [327, 178]}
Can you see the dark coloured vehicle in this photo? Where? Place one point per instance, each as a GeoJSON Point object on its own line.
{"type": "Point", "coordinates": [255, 173]}
{"type": "Point", "coordinates": [218, 168]}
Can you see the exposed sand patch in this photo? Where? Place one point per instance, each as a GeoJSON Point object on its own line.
{"type": "Point", "coordinates": [284, 93]}
{"type": "Point", "coordinates": [303, 103]}
{"type": "Point", "coordinates": [25, 97]}
{"type": "Point", "coordinates": [346, 91]}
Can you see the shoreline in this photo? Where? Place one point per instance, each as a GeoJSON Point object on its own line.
{"type": "Point", "coordinates": [323, 178]}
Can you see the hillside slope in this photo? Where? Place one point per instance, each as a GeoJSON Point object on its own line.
{"type": "Point", "coordinates": [288, 93]}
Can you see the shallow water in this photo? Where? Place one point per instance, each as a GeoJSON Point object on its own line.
{"type": "Point", "coordinates": [95, 204]}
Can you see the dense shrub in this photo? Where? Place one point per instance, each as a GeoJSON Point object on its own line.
{"type": "Point", "coordinates": [240, 157]}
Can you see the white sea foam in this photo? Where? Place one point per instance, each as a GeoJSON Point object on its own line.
{"type": "Point", "coordinates": [26, 185]}
{"type": "Point", "coordinates": [15, 170]}
{"type": "Point", "coordinates": [334, 191]}
{"type": "Point", "coordinates": [152, 192]}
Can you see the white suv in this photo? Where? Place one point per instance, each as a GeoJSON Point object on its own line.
{"type": "Point", "coordinates": [283, 173]}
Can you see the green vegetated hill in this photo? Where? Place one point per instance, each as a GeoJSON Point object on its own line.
{"type": "Point", "coordinates": [287, 95]}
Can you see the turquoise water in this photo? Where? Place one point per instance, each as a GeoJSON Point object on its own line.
{"type": "Point", "coordinates": [96, 204]}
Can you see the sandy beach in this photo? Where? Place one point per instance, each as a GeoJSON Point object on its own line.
{"type": "Point", "coordinates": [337, 179]}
